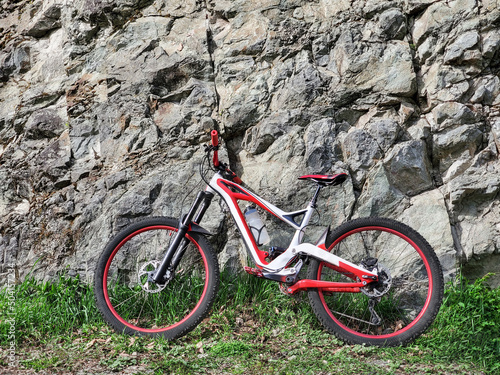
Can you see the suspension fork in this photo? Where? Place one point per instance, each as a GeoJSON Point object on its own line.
{"type": "Point", "coordinates": [179, 244]}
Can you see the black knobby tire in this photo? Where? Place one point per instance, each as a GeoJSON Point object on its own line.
{"type": "Point", "coordinates": [406, 301]}
{"type": "Point", "coordinates": [133, 306]}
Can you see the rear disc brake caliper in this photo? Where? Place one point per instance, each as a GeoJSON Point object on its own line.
{"type": "Point", "coordinates": [383, 284]}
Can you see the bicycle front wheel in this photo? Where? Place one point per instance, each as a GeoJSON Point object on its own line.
{"type": "Point", "coordinates": [133, 305]}
{"type": "Point", "coordinates": [397, 308]}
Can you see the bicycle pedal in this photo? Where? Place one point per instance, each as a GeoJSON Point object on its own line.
{"type": "Point", "coordinates": [254, 271]}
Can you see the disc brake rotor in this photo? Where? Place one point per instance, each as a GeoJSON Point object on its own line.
{"type": "Point", "coordinates": [144, 277]}
{"type": "Point", "coordinates": [381, 286]}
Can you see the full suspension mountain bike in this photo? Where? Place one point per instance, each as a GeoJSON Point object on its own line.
{"type": "Point", "coordinates": [372, 281]}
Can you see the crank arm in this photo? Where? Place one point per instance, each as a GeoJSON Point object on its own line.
{"type": "Point", "coordinates": [287, 275]}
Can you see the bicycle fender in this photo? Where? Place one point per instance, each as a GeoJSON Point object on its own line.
{"type": "Point", "coordinates": [198, 229]}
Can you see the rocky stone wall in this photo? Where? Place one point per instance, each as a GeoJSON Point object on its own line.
{"type": "Point", "coordinates": [104, 107]}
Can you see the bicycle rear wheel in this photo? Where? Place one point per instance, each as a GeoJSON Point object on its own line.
{"type": "Point", "coordinates": [133, 305]}
{"type": "Point", "coordinates": [396, 309]}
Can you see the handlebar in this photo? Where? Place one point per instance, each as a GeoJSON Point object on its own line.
{"type": "Point", "coordinates": [215, 143]}
{"type": "Point", "coordinates": [215, 138]}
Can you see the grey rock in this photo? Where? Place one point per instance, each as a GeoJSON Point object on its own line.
{"type": "Point", "coordinates": [105, 107]}
{"type": "Point", "coordinates": [381, 67]}
{"type": "Point", "coordinates": [479, 266]}
{"type": "Point", "coordinates": [55, 158]}
{"type": "Point", "coordinates": [82, 33]}
{"type": "Point", "coordinates": [319, 140]}
{"type": "Point", "coordinates": [409, 167]}
{"type": "Point", "coordinates": [487, 90]}
{"type": "Point", "coordinates": [438, 17]}
{"type": "Point", "coordinates": [8, 251]}
{"type": "Point", "coordinates": [15, 62]}
{"type": "Point", "coordinates": [378, 197]}
{"type": "Point", "coordinates": [299, 90]}
{"type": "Point", "coordinates": [443, 83]}
{"type": "Point", "coordinates": [453, 114]}
{"type": "Point", "coordinates": [361, 152]}
{"type": "Point", "coordinates": [385, 132]}
{"type": "Point", "coordinates": [495, 132]}
{"type": "Point", "coordinates": [44, 123]}
{"type": "Point", "coordinates": [451, 144]}
{"type": "Point", "coordinates": [491, 43]}
{"type": "Point", "coordinates": [455, 52]}
{"type": "Point", "coordinates": [118, 178]}
{"type": "Point", "coordinates": [259, 138]}
{"type": "Point", "coordinates": [428, 214]}
{"type": "Point", "coordinates": [110, 11]}
{"type": "Point", "coordinates": [392, 22]}
{"type": "Point", "coordinates": [481, 186]}
{"type": "Point", "coordinates": [46, 20]}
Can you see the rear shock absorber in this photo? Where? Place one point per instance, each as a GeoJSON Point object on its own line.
{"type": "Point", "coordinates": [275, 252]}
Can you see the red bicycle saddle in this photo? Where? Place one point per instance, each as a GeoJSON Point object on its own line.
{"type": "Point", "coordinates": [325, 180]}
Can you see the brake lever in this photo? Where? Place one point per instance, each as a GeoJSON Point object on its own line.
{"type": "Point", "coordinates": [223, 167]}
{"type": "Point", "coordinates": [210, 148]}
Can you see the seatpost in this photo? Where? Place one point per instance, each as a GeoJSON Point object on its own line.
{"type": "Point", "coordinates": [315, 198]}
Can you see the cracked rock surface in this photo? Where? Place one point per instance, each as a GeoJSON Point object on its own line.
{"type": "Point", "coordinates": [105, 106]}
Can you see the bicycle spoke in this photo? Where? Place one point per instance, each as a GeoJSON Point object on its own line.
{"type": "Point", "coordinates": [128, 299]}
{"type": "Point", "coordinates": [384, 310]}
{"type": "Point", "coordinates": [136, 305]}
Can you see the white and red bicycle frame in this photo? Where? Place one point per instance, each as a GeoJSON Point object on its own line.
{"type": "Point", "coordinates": [279, 268]}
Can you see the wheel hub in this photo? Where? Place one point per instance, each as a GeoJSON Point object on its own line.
{"type": "Point", "coordinates": [380, 287]}
{"type": "Point", "coordinates": [145, 277]}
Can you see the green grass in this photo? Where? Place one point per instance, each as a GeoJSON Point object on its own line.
{"type": "Point", "coordinates": [253, 329]}
{"type": "Point", "coordinates": [43, 309]}
{"type": "Point", "coordinates": [468, 326]}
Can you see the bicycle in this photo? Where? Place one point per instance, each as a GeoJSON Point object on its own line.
{"type": "Point", "coordinates": [372, 281]}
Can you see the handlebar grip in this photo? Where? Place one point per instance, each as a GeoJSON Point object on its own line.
{"type": "Point", "coordinates": [215, 143]}
{"type": "Point", "coordinates": [215, 138]}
